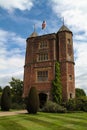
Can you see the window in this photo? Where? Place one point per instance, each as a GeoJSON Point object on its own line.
{"type": "Point", "coordinates": [70, 95]}
{"type": "Point", "coordinates": [68, 41]}
{"type": "Point", "coordinates": [42, 75]}
{"type": "Point", "coordinates": [43, 57]}
{"type": "Point", "coordinates": [69, 46]}
{"type": "Point", "coordinates": [43, 44]}
{"type": "Point", "coordinates": [70, 77]}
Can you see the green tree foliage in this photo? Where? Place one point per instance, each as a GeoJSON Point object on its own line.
{"type": "Point", "coordinates": [32, 101]}
{"type": "Point", "coordinates": [16, 86]}
{"type": "Point", "coordinates": [80, 92]}
{"type": "Point", "coordinates": [78, 104]}
{"type": "Point", "coordinates": [6, 99]}
{"type": "Point", "coordinates": [1, 89]}
{"type": "Point", "coordinates": [71, 105]}
{"type": "Point", "coordinates": [0, 94]}
{"type": "Point", "coordinates": [81, 104]}
{"type": "Point", "coordinates": [57, 87]}
{"type": "Point", "coordinates": [0, 100]}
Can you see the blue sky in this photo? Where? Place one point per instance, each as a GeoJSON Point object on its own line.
{"type": "Point", "coordinates": [17, 19]}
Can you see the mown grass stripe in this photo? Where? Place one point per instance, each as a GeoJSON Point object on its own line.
{"type": "Point", "coordinates": [59, 119]}
{"type": "Point", "coordinates": [11, 125]}
{"type": "Point", "coordinates": [74, 116]}
{"type": "Point", "coordinates": [44, 121]}
{"type": "Point", "coordinates": [51, 121]}
{"type": "Point", "coordinates": [65, 119]}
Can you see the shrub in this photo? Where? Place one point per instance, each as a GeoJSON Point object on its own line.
{"type": "Point", "coordinates": [33, 101]}
{"type": "Point", "coordinates": [6, 99]}
{"type": "Point", "coordinates": [0, 100]}
{"type": "Point", "coordinates": [53, 108]}
{"type": "Point", "coordinates": [78, 104]}
{"type": "Point", "coordinates": [81, 104]}
{"type": "Point", "coordinates": [71, 105]}
{"type": "Point", "coordinates": [17, 106]}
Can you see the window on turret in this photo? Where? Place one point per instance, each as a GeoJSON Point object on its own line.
{"type": "Point", "coordinates": [68, 41]}
{"type": "Point", "coordinates": [42, 75]}
{"type": "Point", "coordinates": [69, 46]}
{"type": "Point", "coordinates": [70, 77]}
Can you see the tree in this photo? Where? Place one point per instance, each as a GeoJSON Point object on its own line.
{"type": "Point", "coordinates": [57, 87]}
{"type": "Point", "coordinates": [16, 86]}
{"type": "Point", "coordinates": [80, 92]}
{"type": "Point", "coordinates": [0, 94]}
{"type": "Point", "coordinates": [0, 89]}
{"type": "Point", "coordinates": [32, 101]}
{"type": "Point", "coordinates": [6, 99]}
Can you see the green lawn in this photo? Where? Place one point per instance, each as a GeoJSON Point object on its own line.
{"type": "Point", "coordinates": [45, 121]}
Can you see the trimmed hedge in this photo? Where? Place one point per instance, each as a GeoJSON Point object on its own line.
{"type": "Point", "coordinates": [6, 99]}
{"type": "Point", "coordinates": [32, 101]}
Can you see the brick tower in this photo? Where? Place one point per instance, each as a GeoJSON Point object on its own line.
{"type": "Point", "coordinates": [66, 59]}
{"type": "Point", "coordinates": [41, 54]}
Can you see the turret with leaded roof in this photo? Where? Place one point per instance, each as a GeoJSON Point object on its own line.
{"type": "Point", "coordinates": [64, 28]}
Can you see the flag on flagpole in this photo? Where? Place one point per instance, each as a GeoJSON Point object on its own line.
{"type": "Point", "coordinates": [44, 25]}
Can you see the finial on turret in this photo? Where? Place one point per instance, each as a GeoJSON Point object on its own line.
{"type": "Point", "coordinates": [34, 34]}
{"type": "Point", "coordinates": [34, 27]}
{"type": "Point", "coordinates": [63, 20]}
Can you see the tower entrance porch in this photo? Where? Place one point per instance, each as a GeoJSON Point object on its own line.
{"type": "Point", "coordinates": [42, 98]}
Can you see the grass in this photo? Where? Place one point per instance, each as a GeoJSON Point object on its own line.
{"type": "Point", "coordinates": [45, 121]}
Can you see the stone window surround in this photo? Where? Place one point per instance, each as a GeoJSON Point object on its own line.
{"type": "Point", "coordinates": [42, 75]}
{"type": "Point", "coordinates": [42, 57]}
{"type": "Point", "coordinates": [43, 44]}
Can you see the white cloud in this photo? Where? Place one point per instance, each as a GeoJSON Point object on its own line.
{"type": "Point", "coordinates": [10, 5]}
{"type": "Point", "coordinates": [6, 36]}
{"type": "Point", "coordinates": [74, 12]}
{"type": "Point", "coordinates": [81, 64]}
{"type": "Point", "coordinates": [11, 56]}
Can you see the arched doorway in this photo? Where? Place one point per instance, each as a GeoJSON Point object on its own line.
{"type": "Point", "coordinates": [43, 99]}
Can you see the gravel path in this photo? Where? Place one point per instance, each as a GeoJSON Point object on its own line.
{"type": "Point", "coordinates": [12, 113]}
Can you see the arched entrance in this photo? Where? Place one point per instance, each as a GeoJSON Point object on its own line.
{"type": "Point", "coordinates": [43, 99]}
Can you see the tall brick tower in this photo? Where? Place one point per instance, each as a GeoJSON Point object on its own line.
{"type": "Point", "coordinates": [42, 52]}
{"type": "Point", "coordinates": [66, 59]}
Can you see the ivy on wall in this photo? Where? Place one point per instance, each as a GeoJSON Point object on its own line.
{"type": "Point", "coordinates": [56, 85]}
